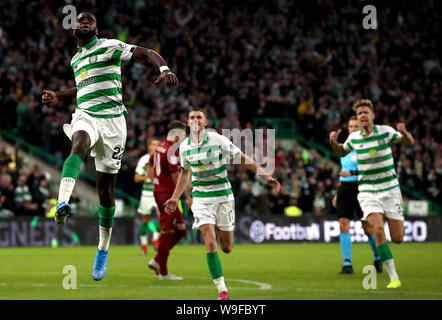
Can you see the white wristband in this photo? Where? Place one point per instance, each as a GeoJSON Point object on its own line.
{"type": "Point", "coordinates": [164, 68]}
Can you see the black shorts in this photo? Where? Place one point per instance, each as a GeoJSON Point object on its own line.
{"type": "Point", "coordinates": [347, 205]}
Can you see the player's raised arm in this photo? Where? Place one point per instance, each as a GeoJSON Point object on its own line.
{"type": "Point", "coordinates": [338, 148]}
{"type": "Point", "coordinates": [407, 138]}
{"type": "Point", "coordinates": [183, 178]}
{"type": "Point", "coordinates": [50, 98]}
{"type": "Point", "coordinates": [166, 77]}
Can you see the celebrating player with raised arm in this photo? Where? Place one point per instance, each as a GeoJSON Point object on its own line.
{"type": "Point", "coordinates": [201, 157]}
{"type": "Point", "coordinates": [98, 123]}
{"type": "Point", "coordinates": [347, 205]}
{"type": "Point", "coordinates": [379, 192]}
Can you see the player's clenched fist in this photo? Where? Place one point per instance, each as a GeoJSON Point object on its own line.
{"type": "Point", "coordinates": [167, 78]}
{"type": "Point", "coordinates": [49, 97]}
{"type": "Point", "coordinates": [274, 184]}
{"type": "Point", "coordinates": [401, 127]}
{"type": "Point", "coordinates": [334, 136]}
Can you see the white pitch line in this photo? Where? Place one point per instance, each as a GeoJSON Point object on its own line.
{"type": "Point", "coordinates": [261, 285]}
{"type": "Point", "coordinates": [374, 292]}
{"type": "Point", "coordinates": [24, 284]}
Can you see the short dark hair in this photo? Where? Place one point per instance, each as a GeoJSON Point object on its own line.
{"type": "Point", "coordinates": [200, 110]}
{"type": "Point", "coordinates": [88, 12]}
{"type": "Point", "coordinates": [176, 124]}
{"type": "Point", "coordinates": [353, 118]}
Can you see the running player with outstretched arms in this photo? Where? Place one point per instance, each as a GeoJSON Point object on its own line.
{"type": "Point", "coordinates": [347, 206]}
{"type": "Point", "coordinates": [98, 124]}
{"type": "Point", "coordinates": [379, 192]}
{"type": "Point", "coordinates": [213, 207]}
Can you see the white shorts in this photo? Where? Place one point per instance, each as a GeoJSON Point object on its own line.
{"type": "Point", "coordinates": [147, 204]}
{"type": "Point", "coordinates": [108, 139]}
{"type": "Point", "coordinates": [389, 203]}
{"type": "Point", "coordinates": [221, 214]}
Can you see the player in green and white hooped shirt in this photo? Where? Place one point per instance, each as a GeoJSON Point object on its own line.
{"type": "Point", "coordinates": [379, 193]}
{"type": "Point", "coordinates": [98, 124]}
{"type": "Point", "coordinates": [147, 200]}
{"type": "Point", "coordinates": [201, 157]}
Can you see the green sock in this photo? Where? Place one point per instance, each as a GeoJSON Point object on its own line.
{"type": "Point", "coordinates": [71, 167]}
{"type": "Point", "coordinates": [214, 265]}
{"type": "Point", "coordinates": [152, 226]}
{"type": "Point", "coordinates": [106, 216]}
{"type": "Point", "coordinates": [384, 252]}
{"type": "Point", "coordinates": [143, 229]}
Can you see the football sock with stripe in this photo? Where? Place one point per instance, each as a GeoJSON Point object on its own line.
{"type": "Point", "coordinates": [216, 270]}
{"type": "Point", "coordinates": [372, 242]}
{"type": "Point", "coordinates": [155, 228]}
{"type": "Point", "coordinates": [387, 260]}
{"type": "Point", "coordinates": [70, 172]}
{"type": "Point", "coordinates": [143, 234]}
{"type": "Point", "coordinates": [156, 233]}
{"type": "Point", "coordinates": [346, 247]}
{"type": "Point", "coordinates": [106, 220]}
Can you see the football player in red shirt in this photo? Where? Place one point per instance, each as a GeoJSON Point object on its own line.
{"type": "Point", "coordinates": [163, 168]}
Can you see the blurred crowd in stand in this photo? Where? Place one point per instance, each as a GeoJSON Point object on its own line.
{"type": "Point", "coordinates": [25, 189]}
{"type": "Point", "coordinates": [304, 60]}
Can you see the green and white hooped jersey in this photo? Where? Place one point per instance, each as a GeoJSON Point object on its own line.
{"type": "Point", "coordinates": [147, 190]}
{"type": "Point", "coordinates": [208, 163]}
{"type": "Point", "coordinates": [375, 159]}
{"type": "Point", "coordinates": [97, 69]}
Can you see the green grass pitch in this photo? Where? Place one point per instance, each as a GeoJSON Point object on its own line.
{"type": "Point", "coordinates": [253, 272]}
